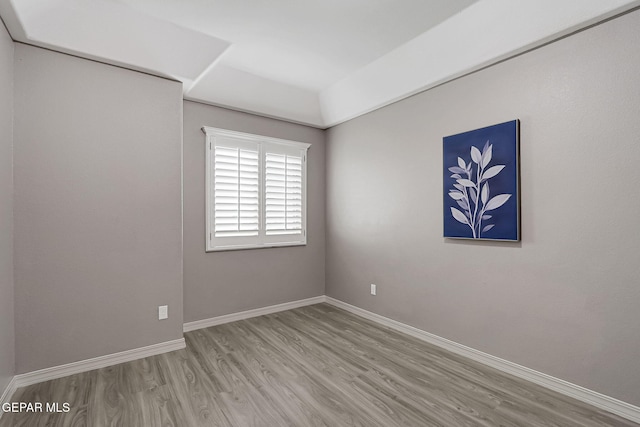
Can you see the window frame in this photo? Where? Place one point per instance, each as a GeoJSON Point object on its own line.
{"type": "Point", "coordinates": [264, 144]}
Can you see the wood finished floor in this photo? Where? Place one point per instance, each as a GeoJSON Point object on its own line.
{"type": "Point", "coordinates": [312, 366]}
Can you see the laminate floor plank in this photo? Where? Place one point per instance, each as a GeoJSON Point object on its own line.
{"type": "Point", "coordinates": [454, 368]}
{"type": "Point", "coordinates": [232, 369]}
{"type": "Point", "coordinates": [424, 381]}
{"type": "Point", "coordinates": [336, 370]}
{"type": "Point", "coordinates": [308, 367]}
{"type": "Point", "coordinates": [201, 404]}
{"type": "Point", "coordinates": [272, 387]}
{"type": "Point", "coordinates": [112, 401]}
{"type": "Point", "coordinates": [303, 377]}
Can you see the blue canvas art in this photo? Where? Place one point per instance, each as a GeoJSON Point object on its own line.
{"type": "Point", "coordinates": [481, 190]}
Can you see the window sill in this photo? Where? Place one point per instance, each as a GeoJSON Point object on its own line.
{"type": "Point", "coordinates": [246, 247]}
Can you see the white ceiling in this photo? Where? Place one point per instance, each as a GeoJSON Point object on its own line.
{"type": "Point", "coordinates": [317, 62]}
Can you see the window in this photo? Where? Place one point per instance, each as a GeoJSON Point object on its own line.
{"type": "Point", "coordinates": [255, 191]}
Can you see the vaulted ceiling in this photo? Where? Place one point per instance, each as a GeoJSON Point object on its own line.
{"type": "Point", "coordinates": [317, 62]}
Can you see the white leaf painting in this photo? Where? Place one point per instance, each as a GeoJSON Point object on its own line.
{"type": "Point", "coordinates": [459, 216]}
{"type": "Point", "coordinates": [497, 201]}
{"type": "Point", "coordinates": [472, 193]}
{"type": "Point", "coordinates": [487, 227]}
{"type": "Point", "coordinates": [486, 156]}
{"type": "Point", "coordinates": [492, 171]}
{"type": "Point", "coordinates": [475, 155]}
{"type": "Point", "coordinates": [466, 183]}
{"type": "Point", "coordinates": [484, 196]}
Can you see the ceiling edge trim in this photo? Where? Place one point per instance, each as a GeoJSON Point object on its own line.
{"type": "Point", "coordinates": [568, 32]}
{"type": "Point", "coordinates": [254, 113]}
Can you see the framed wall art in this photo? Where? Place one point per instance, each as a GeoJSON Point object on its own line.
{"type": "Point", "coordinates": [481, 183]}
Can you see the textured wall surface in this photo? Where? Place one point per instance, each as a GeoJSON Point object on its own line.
{"type": "Point", "coordinates": [6, 210]}
{"type": "Point", "coordinates": [97, 209]}
{"type": "Point", "coordinates": [565, 299]}
{"type": "Point", "coordinates": [218, 283]}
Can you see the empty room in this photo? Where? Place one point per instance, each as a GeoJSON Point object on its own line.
{"type": "Point", "coordinates": [319, 213]}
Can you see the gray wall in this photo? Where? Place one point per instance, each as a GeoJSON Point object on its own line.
{"type": "Point", "coordinates": [565, 300]}
{"type": "Point", "coordinates": [97, 209]}
{"type": "Point", "coordinates": [6, 209]}
{"type": "Point", "coordinates": [219, 283]}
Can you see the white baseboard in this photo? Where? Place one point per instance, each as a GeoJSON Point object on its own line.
{"type": "Point", "coordinates": [35, 377]}
{"type": "Point", "coordinates": [7, 394]}
{"type": "Point", "coordinates": [577, 392]}
{"type": "Point", "coordinates": [228, 318]}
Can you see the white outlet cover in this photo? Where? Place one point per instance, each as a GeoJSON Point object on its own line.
{"type": "Point", "coordinates": [163, 312]}
{"type": "Point", "coordinates": [373, 289]}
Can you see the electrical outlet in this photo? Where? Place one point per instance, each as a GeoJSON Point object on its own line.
{"type": "Point", "coordinates": [163, 312]}
{"type": "Point", "coordinates": [373, 289]}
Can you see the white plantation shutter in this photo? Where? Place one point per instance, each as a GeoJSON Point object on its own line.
{"type": "Point", "coordinates": [236, 192]}
{"type": "Point", "coordinates": [256, 191]}
{"type": "Point", "coordinates": [283, 194]}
